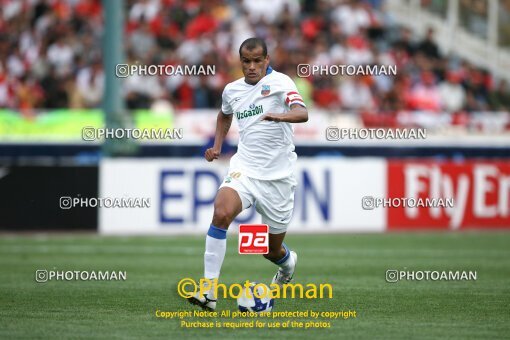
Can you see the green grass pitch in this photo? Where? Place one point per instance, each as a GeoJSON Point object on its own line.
{"type": "Point", "coordinates": [354, 264]}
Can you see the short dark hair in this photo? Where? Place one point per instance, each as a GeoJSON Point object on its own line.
{"type": "Point", "coordinates": [253, 43]}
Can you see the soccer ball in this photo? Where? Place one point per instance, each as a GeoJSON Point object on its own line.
{"type": "Point", "coordinates": [255, 298]}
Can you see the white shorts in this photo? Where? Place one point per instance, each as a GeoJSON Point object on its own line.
{"type": "Point", "coordinates": [273, 199]}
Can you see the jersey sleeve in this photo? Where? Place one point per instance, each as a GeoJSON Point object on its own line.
{"type": "Point", "coordinates": [291, 95]}
{"type": "Point", "coordinates": [225, 106]}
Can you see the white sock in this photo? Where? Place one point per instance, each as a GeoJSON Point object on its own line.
{"type": "Point", "coordinates": [215, 247]}
{"type": "Point", "coordinates": [286, 263]}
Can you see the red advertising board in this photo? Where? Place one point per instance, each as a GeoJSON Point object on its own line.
{"type": "Point", "coordinates": [480, 191]}
{"type": "Point", "coordinates": [253, 239]}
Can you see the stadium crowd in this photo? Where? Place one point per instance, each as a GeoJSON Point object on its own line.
{"type": "Point", "coordinates": [50, 55]}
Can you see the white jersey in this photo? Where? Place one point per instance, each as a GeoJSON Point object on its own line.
{"type": "Point", "coordinates": [266, 149]}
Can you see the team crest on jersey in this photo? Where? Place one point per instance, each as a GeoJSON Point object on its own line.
{"type": "Point", "coordinates": [266, 89]}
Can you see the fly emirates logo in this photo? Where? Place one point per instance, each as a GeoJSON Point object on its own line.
{"type": "Point", "coordinates": [480, 193]}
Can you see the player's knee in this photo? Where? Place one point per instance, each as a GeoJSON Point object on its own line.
{"type": "Point", "coordinates": [222, 218]}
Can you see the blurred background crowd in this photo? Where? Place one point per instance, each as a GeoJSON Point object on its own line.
{"type": "Point", "coordinates": [50, 55]}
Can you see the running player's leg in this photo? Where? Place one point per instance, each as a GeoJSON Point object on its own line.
{"type": "Point", "coordinates": [227, 206]}
{"type": "Point", "coordinates": [276, 249]}
{"type": "Point", "coordinates": [280, 254]}
{"type": "Point", "coordinates": [276, 206]}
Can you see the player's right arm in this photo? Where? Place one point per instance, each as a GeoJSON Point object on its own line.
{"type": "Point", "coordinates": [223, 123]}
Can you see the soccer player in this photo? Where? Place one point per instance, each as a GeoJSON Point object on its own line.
{"type": "Point", "coordinates": [264, 103]}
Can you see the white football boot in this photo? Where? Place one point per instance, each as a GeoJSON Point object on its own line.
{"type": "Point", "coordinates": [206, 302]}
{"type": "Point", "coordinates": [281, 278]}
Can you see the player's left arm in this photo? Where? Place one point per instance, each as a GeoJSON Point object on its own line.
{"type": "Point", "coordinates": [297, 114]}
{"type": "Point", "coordinates": [292, 101]}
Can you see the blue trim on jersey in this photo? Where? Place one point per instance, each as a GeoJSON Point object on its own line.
{"type": "Point", "coordinates": [285, 257]}
{"type": "Point", "coordinates": [217, 233]}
